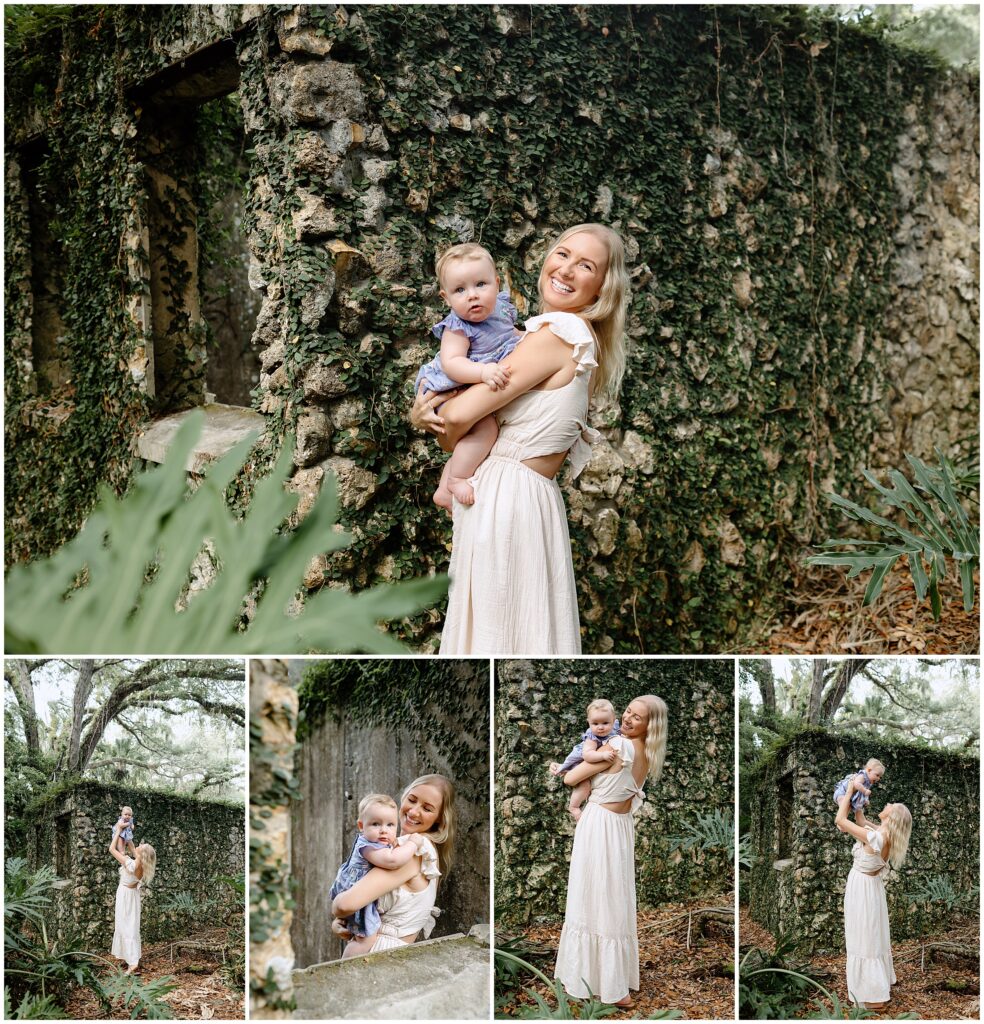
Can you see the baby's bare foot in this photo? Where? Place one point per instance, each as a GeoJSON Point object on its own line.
{"type": "Point", "coordinates": [575, 813]}
{"type": "Point", "coordinates": [462, 490]}
{"type": "Point", "coordinates": [442, 498]}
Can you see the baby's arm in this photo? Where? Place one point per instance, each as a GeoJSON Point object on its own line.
{"type": "Point", "coordinates": [594, 754]}
{"type": "Point", "coordinates": [395, 857]}
{"type": "Point", "coordinates": [456, 364]}
{"type": "Point", "coordinates": [860, 786]}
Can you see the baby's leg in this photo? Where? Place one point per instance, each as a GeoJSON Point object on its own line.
{"type": "Point", "coordinates": [469, 453]}
{"type": "Point", "coordinates": [443, 495]}
{"type": "Point", "coordinates": [359, 946]}
{"type": "Point", "coordinates": [579, 794]}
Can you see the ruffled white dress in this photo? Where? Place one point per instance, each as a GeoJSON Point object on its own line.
{"type": "Point", "coordinates": [512, 578]}
{"type": "Point", "coordinates": [870, 971]}
{"type": "Point", "coordinates": [126, 937]}
{"type": "Point", "coordinates": [599, 943]}
{"type": "Point", "coordinates": [404, 912]}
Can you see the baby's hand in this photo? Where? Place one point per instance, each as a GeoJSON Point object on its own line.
{"type": "Point", "coordinates": [608, 754]}
{"type": "Point", "coordinates": [338, 927]}
{"type": "Point", "coordinates": [495, 376]}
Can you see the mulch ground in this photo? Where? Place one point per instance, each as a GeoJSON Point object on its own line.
{"type": "Point", "coordinates": [941, 987]}
{"type": "Point", "coordinates": [697, 981]}
{"type": "Point", "coordinates": [823, 615]}
{"type": "Point", "coordinates": [201, 993]}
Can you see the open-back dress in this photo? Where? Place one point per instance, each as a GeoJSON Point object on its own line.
{"type": "Point", "coordinates": [870, 971]}
{"type": "Point", "coordinates": [512, 579]}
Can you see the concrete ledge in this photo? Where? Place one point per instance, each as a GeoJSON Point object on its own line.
{"type": "Point", "coordinates": [225, 426]}
{"type": "Point", "coordinates": [440, 979]}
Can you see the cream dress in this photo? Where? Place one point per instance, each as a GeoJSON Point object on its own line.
{"type": "Point", "coordinates": [404, 912]}
{"type": "Point", "coordinates": [599, 944]}
{"type": "Point", "coordinates": [512, 579]}
{"type": "Point", "coordinates": [870, 972]}
{"type": "Point", "coordinates": [126, 937]}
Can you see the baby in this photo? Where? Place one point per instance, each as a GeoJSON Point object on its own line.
{"type": "Point", "coordinates": [602, 726]}
{"type": "Point", "coordinates": [475, 336]}
{"type": "Point", "coordinates": [864, 780]}
{"type": "Point", "coordinates": [125, 825]}
{"type": "Point", "coordinates": [375, 846]}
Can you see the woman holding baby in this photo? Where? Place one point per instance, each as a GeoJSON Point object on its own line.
{"type": "Point", "coordinates": [512, 578]}
{"type": "Point", "coordinates": [406, 894]}
{"type": "Point", "coordinates": [599, 945]}
{"type": "Point", "coordinates": [135, 873]}
{"type": "Point", "coordinates": [870, 970]}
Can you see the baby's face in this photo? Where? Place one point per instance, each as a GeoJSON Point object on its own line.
{"type": "Point", "coordinates": [874, 774]}
{"type": "Point", "coordinates": [378, 823]}
{"type": "Point", "coordinates": [601, 722]}
{"type": "Point", "coordinates": [126, 814]}
{"type": "Point", "coordinates": [470, 288]}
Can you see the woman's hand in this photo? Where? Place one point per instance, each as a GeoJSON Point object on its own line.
{"type": "Point", "coordinates": [339, 929]}
{"type": "Point", "coordinates": [422, 413]}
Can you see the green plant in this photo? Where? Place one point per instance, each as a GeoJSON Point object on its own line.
{"type": "Point", "coordinates": [138, 996]}
{"type": "Point", "coordinates": [568, 1007]}
{"type": "Point", "coordinates": [130, 564]}
{"type": "Point", "coordinates": [32, 1007]}
{"type": "Point", "coordinates": [941, 529]}
{"type": "Point", "coordinates": [940, 889]}
{"type": "Point", "coordinates": [714, 832]}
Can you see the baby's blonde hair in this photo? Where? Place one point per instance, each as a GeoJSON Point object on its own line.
{"type": "Point", "coordinates": [124, 809]}
{"type": "Point", "coordinates": [600, 705]}
{"type": "Point", "coordinates": [656, 729]}
{"type": "Point", "coordinates": [460, 253]}
{"type": "Point", "coordinates": [375, 798]}
{"type": "Point", "coordinates": [442, 833]}
{"type": "Point", "coordinates": [607, 313]}
{"type": "Point", "coordinates": [873, 762]}
{"type": "Point", "coordinates": [898, 828]}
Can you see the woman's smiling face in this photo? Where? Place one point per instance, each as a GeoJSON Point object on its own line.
{"type": "Point", "coordinates": [421, 808]}
{"type": "Point", "coordinates": [635, 719]}
{"type": "Point", "coordinates": [573, 273]}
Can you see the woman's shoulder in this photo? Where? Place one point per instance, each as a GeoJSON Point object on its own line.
{"type": "Point", "coordinates": [572, 329]}
{"type": "Point", "coordinates": [429, 863]}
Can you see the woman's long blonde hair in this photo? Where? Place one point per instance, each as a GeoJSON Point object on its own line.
{"type": "Point", "coordinates": [656, 728]}
{"type": "Point", "coordinates": [442, 833]}
{"type": "Point", "coordinates": [607, 314]}
{"type": "Point", "coordinates": [898, 828]}
{"type": "Point", "coordinates": [148, 861]}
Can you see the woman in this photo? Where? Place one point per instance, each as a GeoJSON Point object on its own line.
{"type": "Point", "coordinates": [870, 972]}
{"type": "Point", "coordinates": [599, 944]}
{"type": "Point", "coordinates": [512, 579]}
{"type": "Point", "coordinates": [406, 895]}
{"type": "Point", "coordinates": [134, 875]}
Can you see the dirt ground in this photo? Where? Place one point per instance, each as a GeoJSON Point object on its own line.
{"type": "Point", "coordinates": [824, 615]}
{"type": "Point", "coordinates": [201, 993]}
{"type": "Point", "coordinates": [947, 987]}
{"type": "Point", "coordinates": [698, 981]}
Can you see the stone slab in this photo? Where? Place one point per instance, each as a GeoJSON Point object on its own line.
{"type": "Point", "coordinates": [440, 979]}
{"type": "Point", "coordinates": [225, 426]}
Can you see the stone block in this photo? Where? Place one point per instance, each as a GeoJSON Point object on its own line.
{"type": "Point", "coordinates": [355, 484]}
{"type": "Point", "coordinates": [326, 91]}
{"type": "Point", "coordinates": [313, 442]}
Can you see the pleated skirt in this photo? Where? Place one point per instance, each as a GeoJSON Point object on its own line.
{"type": "Point", "coordinates": [126, 937]}
{"type": "Point", "coordinates": [599, 944]}
{"type": "Point", "coordinates": [512, 579]}
{"type": "Point", "coordinates": [870, 972]}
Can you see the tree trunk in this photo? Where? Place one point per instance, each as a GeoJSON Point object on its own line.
{"type": "Point", "coordinates": [767, 687]}
{"type": "Point", "coordinates": [846, 671]}
{"type": "Point", "coordinates": [83, 687]}
{"type": "Point", "coordinates": [18, 674]}
{"type": "Point", "coordinates": [816, 691]}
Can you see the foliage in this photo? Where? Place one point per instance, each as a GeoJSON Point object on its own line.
{"type": "Point", "coordinates": [138, 996]}
{"type": "Point", "coordinates": [940, 889]}
{"type": "Point", "coordinates": [157, 530]}
{"type": "Point", "coordinates": [567, 1007]}
{"type": "Point", "coordinates": [940, 529]}
{"type": "Point", "coordinates": [713, 831]}
{"type": "Point", "coordinates": [803, 138]}
{"type": "Point", "coordinates": [32, 1007]}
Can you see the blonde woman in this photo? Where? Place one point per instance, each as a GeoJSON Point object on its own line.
{"type": "Point", "coordinates": [870, 971]}
{"type": "Point", "coordinates": [407, 894]}
{"type": "Point", "coordinates": [135, 873]}
{"type": "Point", "coordinates": [599, 944]}
{"type": "Point", "coordinates": [512, 579]}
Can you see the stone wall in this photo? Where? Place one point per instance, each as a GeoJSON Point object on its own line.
{"type": "Point", "coordinates": [196, 842]}
{"type": "Point", "coordinates": [540, 715]}
{"type": "Point", "coordinates": [341, 759]}
{"type": "Point", "coordinates": [802, 862]}
{"type": "Point", "coordinates": [801, 221]}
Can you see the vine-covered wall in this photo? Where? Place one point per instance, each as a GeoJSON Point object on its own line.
{"type": "Point", "coordinates": [799, 201]}
{"type": "Point", "coordinates": [197, 841]}
{"type": "Point", "coordinates": [373, 727]}
{"type": "Point", "coordinates": [797, 880]}
{"type": "Point", "coordinates": [540, 714]}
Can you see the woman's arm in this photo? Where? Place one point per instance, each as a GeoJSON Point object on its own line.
{"type": "Point", "coordinates": [585, 770]}
{"type": "Point", "coordinates": [376, 883]}
{"type": "Point", "coordinates": [539, 356]}
{"type": "Point", "coordinates": [840, 820]}
{"type": "Point", "coordinates": [121, 857]}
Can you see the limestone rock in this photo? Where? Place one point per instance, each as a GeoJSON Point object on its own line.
{"type": "Point", "coordinates": [355, 484]}
{"type": "Point", "coordinates": [636, 453]}
{"type": "Point", "coordinates": [322, 380]}
{"type": "Point", "coordinates": [326, 91]}
{"type": "Point", "coordinates": [316, 219]}
{"type": "Point", "coordinates": [314, 305]}
{"type": "Point", "coordinates": [604, 473]}
{"type": "Point", "coordinates": [348, 413]}
{"type": "Point", "coordinates": [306, 42]}
{"type": "Point", "coordinates": [605, 530]}
{"type": "Point", "coordinates": [314, 430]}
{"type": "Point", "coordinates": [306, 483]}
{"type": "Point", "coordinates": [732, 545]}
